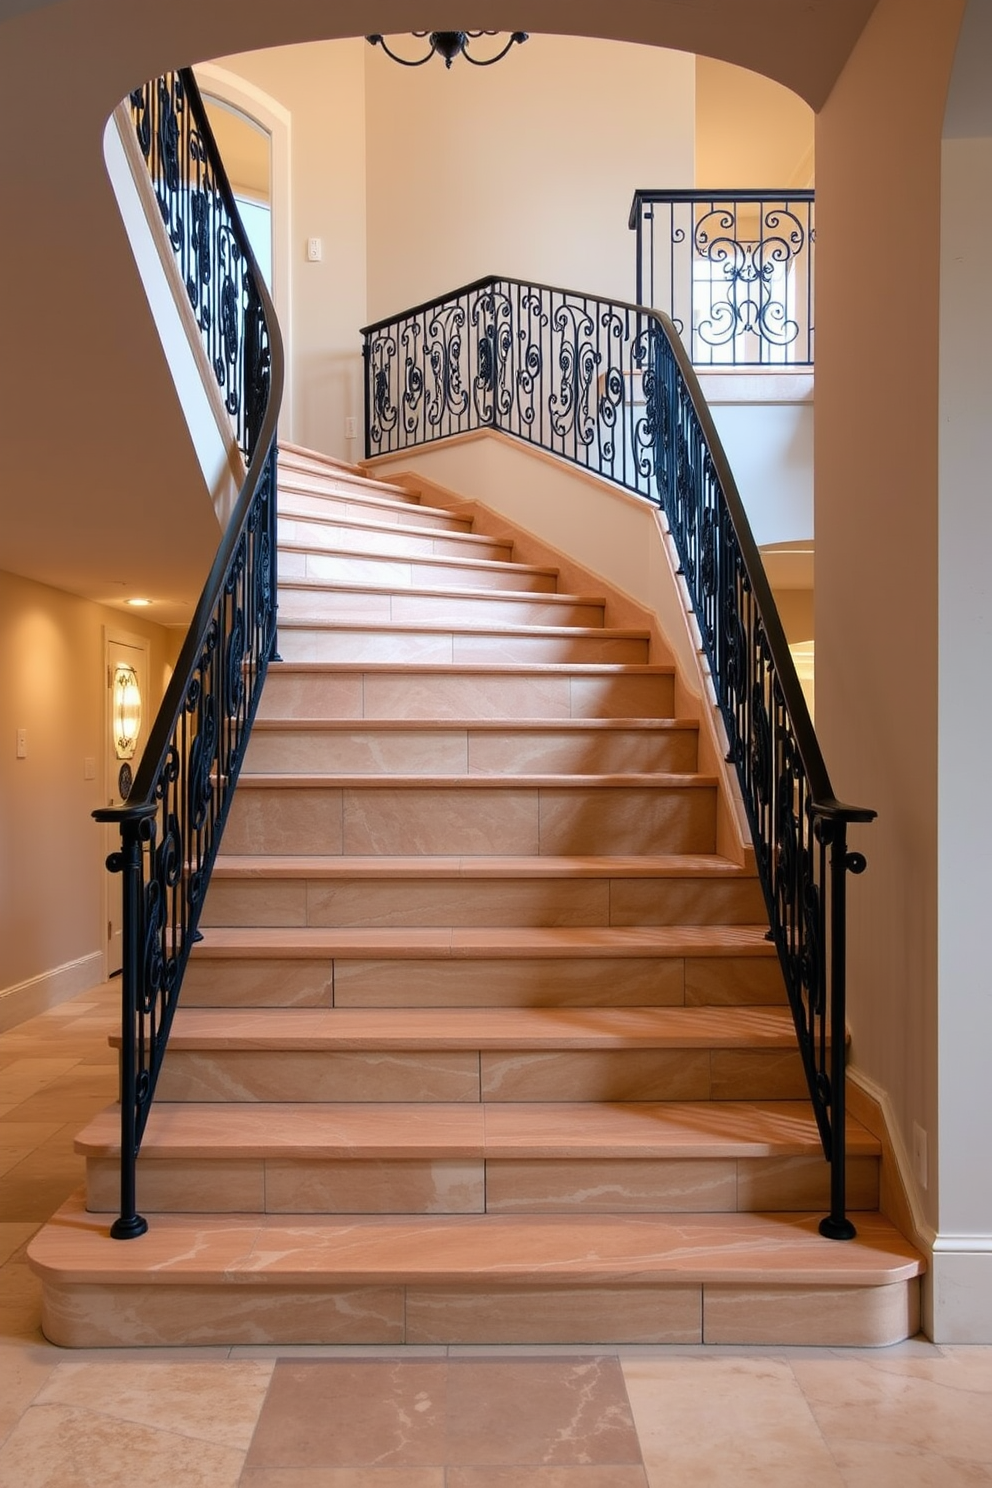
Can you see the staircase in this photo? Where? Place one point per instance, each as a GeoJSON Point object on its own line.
{"type": "Point", "coordinates": [484, 1042]}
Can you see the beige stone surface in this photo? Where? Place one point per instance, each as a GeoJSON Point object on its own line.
{"type": "Point", "coordinates": [717, 1422]}
{"type": "Point", "coordinates": [542, 1315]}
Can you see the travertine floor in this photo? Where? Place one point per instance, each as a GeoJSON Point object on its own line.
{"type": "Point", "coordinates": [915, 1416]}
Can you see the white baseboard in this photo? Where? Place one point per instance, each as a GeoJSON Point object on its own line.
{"type": "Point", "coordinates": [961, 1283]}
{"type": "Point", "coordinates": [27, 999]}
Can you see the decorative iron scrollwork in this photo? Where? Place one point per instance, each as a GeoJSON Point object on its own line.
{"type": "Point", "coordinates": [183, 786]}
{"type": "Point", "coordinates": [735, 273]}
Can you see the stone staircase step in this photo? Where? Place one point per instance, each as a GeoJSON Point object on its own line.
{"type": "Point", "coordinates": [415, 571]}
{"type": "Point", "coordinates": [403, 1159]}
{"type": "Point", "coordinates": [494, 690]}
{"type": "Point", "coordinates": [422, 641]}
{"type": "Point", "coordinates": [489, 1279]}
{"type": "Point", "coordinates": [329, 533]}
{"type": "Point", "coordinates": [351, 891]}
{"type": "Point", "coordinates": [474, 746]}
{"type": "Point", "coordinates": [671, 966]}
{"type": "Point", "coordinates": [303, 601]}
{"type": "Point", "coordinates": [487, 1054]}
{"type": "Point", "coordinates": [303, 496]}
{"type": "Point", "coordinates": [483, 815]}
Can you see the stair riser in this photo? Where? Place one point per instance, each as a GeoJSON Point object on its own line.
{"type": "Point", "coordinates": [411, 696]}
{"type": "Point", "coordinates": [479, 821]}
{"type": "Point", "coordinates": [404, 572]}
{"type": "Point", "coordinates": [354, 1185]}
{"type": "Point", "coordinates": [442, 646]}
{"type": "Point", "coordinates": [501, 902]}
{"type": "Point", "coordinates": [331, 537]}
{"type": "Point", "coordinates": [463, 752]}
{"type": "Point", "coordinates": [463, 1075]}
{"type": "Point", "coordinates": [583, 981]}
{"type": "Point", "coordinates": [344, 505]}
{"type": "Point", "coordinates": [330, 1311]}
{"type": "Point", "coordinates": [304, 477]}
{"type": "Point", "coordinates": [385, 608]}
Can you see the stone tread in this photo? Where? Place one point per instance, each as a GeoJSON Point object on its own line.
{"type": "Point", "coordinates": [479, 725]}
{"type": "Point", "coordinates": [390, 529]}
{"type": "Point", "coordinates": [555, 1029]}
{"type": "Point", "coordinates": [476, 1251]}
{"type": "Point", "coordinates": [687, 865]}
{"type": "Point", "coordinates": [655, 781]}
{"type": "Point", "coordinates": [485, 943]}
{"type": "Point", "coordinates": [433, 560]}
{"type": "Point", "coordinates": [465, 627]}
{"type": "Point", "coordinates": [370, 1131]}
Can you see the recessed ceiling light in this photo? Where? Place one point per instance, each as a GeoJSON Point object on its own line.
{"type": "Point", "coordinates": [139, 603]}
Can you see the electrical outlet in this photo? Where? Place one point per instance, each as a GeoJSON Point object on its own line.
{"type": "Point", "coordinates": [351, 428]}
{"type": "Point", "coordinates": [920, 1164]}
{"type": "Point", "coordinates": [22, 743]}
{"type": "Point", "coordinates": [89, 767]}
{"type": "Point", "coordinates": [315, 250]}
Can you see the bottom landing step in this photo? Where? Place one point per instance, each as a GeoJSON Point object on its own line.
{"type": "Point", "coordinates": [709, 1278]}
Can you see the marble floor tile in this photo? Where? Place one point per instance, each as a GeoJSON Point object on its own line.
{"type": "Point", "coordinates": [23, 1372]}
{"type": "Point", "coordinates": [13, 1237]}
{"type": "Point", "coordinates": [209, 1402]}
{"type": "Point", "coordinates": [542, 1413]}
{"type": "Point", "coordinates": [469, 1413]}
{"type": "Point", "coordinates": [344, 1477]}
{"type": "Point", "coordinates": [60, 1446]}
{"type": "Point", "coordinates": [712, 1423]}
{"type": "Point", "coordinates": [546, 1477]}
{"type": "Point", "coordinates": [933, 1410]}
{"type": "Point", "coordinates": [371, 1413]}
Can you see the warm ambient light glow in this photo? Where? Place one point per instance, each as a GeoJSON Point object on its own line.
{"type": "Point", "coordinates": [139, 603]}
{"type": "Point", "coordinates": [127, 710]}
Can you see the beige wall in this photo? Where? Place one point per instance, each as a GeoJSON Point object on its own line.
{"type": "Point", "coordinates": [878, 164]}
{"type": "Point", "coordinates": [749, 130]}
{"type": "Point", "coordinates": [526, 170]}
{"type": "Point", "coordinates": [52, 931]}
{"type": "Point", "coordinates": [322, 86]}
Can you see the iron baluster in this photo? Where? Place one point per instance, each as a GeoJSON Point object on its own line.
{"type": "Point", "coordinates": [183, 785]}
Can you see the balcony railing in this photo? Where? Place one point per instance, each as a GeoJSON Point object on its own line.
{"type": "Point", "coordinates": [733, 270]}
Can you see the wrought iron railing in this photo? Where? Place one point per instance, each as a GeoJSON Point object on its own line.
{"type": "Point", "coordinates": [174, 814]}
{"type": "Point", "coordinates": [733, 270]}
{"type": "Point", "coordinates": [610, 387]}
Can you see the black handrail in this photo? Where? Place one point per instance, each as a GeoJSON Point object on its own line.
{"type": "Point", "coordinates": [610, 387]}
{"type": "Point", "coordinates": [733, 269]}
{"type": "Point", "coordinates": [178, 803]}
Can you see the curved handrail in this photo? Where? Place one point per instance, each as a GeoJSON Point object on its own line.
{"type": "Point", "coordinates": [608, 386]}
{"type": "Point", "coordinates": [172, 820]}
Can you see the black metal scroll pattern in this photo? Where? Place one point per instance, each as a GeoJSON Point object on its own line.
{"type": "Point", "coordinates": [610, 387]}
{"type": "Point", "coordinates": [746, 280]}
{"type": "Point", "coordinates": [201, 221]}
{"type": "Point", "coordinates": [183, 788]}
{"type": "Point", "coordinates": [734, 271]}
{"type": "Point", "coordinates": [173, 840]}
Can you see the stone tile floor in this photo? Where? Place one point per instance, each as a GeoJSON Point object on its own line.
{"type": "Point", "coordinates": [916, 1416]}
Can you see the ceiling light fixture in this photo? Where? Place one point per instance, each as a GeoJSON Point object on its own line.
{"type": "Point", "coordinates": [139, 603]}
{"type": "Point", "coordinates": [449, 45]}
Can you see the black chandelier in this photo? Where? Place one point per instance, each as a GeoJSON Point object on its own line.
{"type": "Point", "coordinates": [449, 45]}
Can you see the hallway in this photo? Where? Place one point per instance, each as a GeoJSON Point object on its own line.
{"type": "Point", "coordinates": [432, 1417]}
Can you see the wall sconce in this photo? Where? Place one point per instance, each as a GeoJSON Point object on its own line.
{"type": "Point", "coordinates": [126, 704]}
{"type": "Point", "coordinates": [449, 45]}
